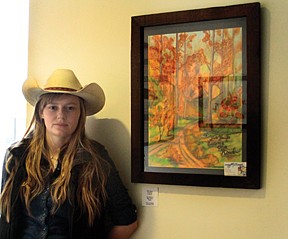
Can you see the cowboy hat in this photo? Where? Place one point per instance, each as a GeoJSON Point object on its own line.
{"type": "Point", "coordinates": [65, 81]}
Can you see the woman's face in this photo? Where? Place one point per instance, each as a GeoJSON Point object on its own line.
{"type": "Point", "coordinates": [61, 117]}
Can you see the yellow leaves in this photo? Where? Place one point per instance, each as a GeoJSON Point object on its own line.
{"type": "Point", "coordinates": [215, 91]}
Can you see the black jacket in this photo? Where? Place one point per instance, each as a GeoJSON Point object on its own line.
{"type": "Point", "coordinates": [118, 210]}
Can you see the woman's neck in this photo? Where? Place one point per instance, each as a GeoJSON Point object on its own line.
{"type": "Point", "coordinates": [55, 145]}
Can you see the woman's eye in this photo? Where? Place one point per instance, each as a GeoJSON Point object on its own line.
{"type": "Point", "coordinates": [70, 108]}
{"type": "Point", "coordinates": [52, 107]}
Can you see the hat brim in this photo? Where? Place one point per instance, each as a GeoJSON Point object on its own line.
{"type": "Point", "coordinates": [92, 94]}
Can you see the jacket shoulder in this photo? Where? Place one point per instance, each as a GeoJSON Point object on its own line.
{"type": "Point", "coordinates": [18, 148]}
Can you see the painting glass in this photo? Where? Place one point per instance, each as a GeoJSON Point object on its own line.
{"type": "Point", "coordinates": [195, 102]}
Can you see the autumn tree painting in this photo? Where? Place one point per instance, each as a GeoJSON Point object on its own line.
{"type": "Point", "coordinates": [196, 98]}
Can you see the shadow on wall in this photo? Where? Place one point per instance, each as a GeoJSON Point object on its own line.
{"type": "Point", "coordinates": [116, 138]}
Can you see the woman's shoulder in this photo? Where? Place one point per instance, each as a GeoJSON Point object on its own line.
{"type": "Point", "coordinates": [102, 151]}
{"type": "Point", "coordinates": [97, 145]}
{"type": "Point", "coordinates": [85, 152]}
{"type": "Point", "coordinates": [19, 147]}
{"type": "Point", "coordinates": [15, 153]}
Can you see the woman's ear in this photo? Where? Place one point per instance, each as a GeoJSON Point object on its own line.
{"type": "Point", "coordinates": [41, 115]}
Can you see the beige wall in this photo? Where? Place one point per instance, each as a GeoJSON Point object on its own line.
{"type": "Point", "coordinates": [93, 38]}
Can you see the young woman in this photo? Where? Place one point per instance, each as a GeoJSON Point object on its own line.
{"type": "Point", "coordinates": [57, 183]}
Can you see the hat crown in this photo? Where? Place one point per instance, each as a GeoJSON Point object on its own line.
{"type": "Point", "coordinates": [63, 80]}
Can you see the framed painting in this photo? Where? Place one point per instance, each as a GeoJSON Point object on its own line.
{"type": "Point", "coordinates": [195, 97]}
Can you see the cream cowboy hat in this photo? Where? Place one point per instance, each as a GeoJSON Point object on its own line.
{"type": "Point", "coordinates": [65, 81]}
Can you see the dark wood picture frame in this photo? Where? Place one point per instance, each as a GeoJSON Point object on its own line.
{"type": "Point", "coordinates": [187, 81]}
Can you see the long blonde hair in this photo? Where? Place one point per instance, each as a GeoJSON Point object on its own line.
{"type": "Point", "coordinates": [92, 177]}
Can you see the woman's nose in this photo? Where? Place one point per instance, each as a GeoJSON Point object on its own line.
{"type": "Point", "coordinates": [61, 113]}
